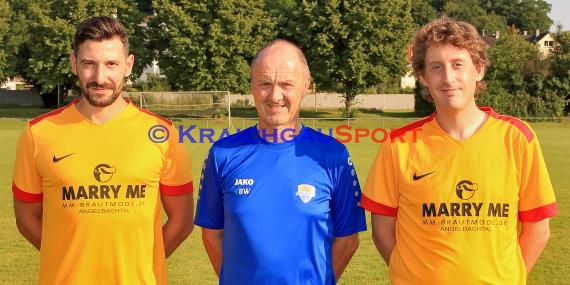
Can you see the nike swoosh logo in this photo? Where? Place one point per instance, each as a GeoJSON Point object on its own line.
{"type": "Point", "coordinates": [57, 159]}
{"type": "Point", "coordinates": [418, 177]}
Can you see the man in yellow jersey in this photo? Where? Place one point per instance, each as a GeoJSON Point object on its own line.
{"type": "Point", "coordinates": [447, 206]}
{"type": "Point", "coordinates": [89, 185]}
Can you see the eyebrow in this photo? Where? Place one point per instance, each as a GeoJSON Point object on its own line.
{"type": "Point", "coordinates": [454, 59]}
{"type": "Point", "coordinates": [85, 60]}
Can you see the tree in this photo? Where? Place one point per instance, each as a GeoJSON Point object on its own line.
{"type": "Point", "coordinates": [472, 12]}
{"type": "Point", "coordinates": [559, 82]}
{"type": "Point", "coordinates": [15, 41]}
{"type": "Point", "coordinates": [4, 30]}
{"type": "Point", "coordinates": [518, 80]}
{"type": "Point", "coordinates": [145, 6]}
{"type": "Point", "coordinates": [42, 35]}
{"type": "Point", "coordinates": [208, 45]}
{"type": "Point", "coordinates": [513, 65]}
{"type": "Point", "coordinates": [422, 12]}
{"type": "Point", "coordinates": [525, 15]}
{"type": "Point", "coordinates": [352, 45]}
{"type": "Point", "coordinates": [422, 107]}
{"type": "Point", "coordinates": [496, 15]}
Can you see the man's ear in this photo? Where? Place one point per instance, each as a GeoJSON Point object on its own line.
{"type": "Point", "coordinates": [130, 63]}
{"type": "Point", "coordinates": [73, 61]}
{"type": "Point", "coordinates": [480, 72]}
{"type": "Point", "coordinates": [422, 80]}
{"type": "Point", "coordinates": [307, 85]}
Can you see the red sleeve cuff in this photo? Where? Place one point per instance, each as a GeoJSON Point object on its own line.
{"type": "Point", "coordinates": [537, 214]}
{"type": "Point", "coordinates": [377, 208]}
{"type": "Point", "coordinates": [176, 190]}
{"type": "Point", "coordinates": [26, 197]}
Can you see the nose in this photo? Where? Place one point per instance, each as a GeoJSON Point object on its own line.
{"type": "Point", "coordinates": [99, 75]}
{"type": "Point", "coordinates": [448, 74]}
{"type": "Point", "coordinates": [276, 94]}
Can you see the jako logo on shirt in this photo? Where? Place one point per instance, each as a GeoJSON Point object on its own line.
{"type": "Point", "coordinates": [244, 182]}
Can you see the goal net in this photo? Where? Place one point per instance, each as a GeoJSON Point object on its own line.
{"type": "Point", "coordinates": [187, 104]}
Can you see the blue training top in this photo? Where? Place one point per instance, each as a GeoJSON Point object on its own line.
{"type": "Point", "coordinates": [280, 206]}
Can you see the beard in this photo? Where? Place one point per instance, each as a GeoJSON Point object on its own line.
{"type": "Point", "coordinates": [98, 100]}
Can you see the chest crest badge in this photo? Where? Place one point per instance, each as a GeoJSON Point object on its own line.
{"type": "Point", "coordinates": [306, 192]}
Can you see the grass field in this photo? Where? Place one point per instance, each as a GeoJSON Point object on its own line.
{"type": "Point", "coordinates": [190, 265]}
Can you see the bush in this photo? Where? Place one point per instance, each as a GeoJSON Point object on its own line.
{"type": "Point", "coordinates": [522, 104]}
{"type": "Point", "coordinates": [349, 113]}
{"type": "Point", "coordinates": [422, 107]}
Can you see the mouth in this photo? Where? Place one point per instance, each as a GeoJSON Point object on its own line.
{"type": "Point", "coordinates": [449, 91]}
{"type": "Point", "coordinates": [99, 92]}
{"type": "Point", "coordinates": [275, 107]}
{"type": "Point", "coordinates": [99, 88]}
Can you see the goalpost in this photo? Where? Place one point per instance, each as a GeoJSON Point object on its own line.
{"type": "Point", "coordinates": [185, 104]}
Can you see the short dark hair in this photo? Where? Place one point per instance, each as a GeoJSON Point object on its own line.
{"type": "Point", "coordinates": [98, 29]}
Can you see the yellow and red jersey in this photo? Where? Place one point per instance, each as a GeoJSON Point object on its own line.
{"type": "Point", "coordinates": [458, 203]}
{"type": "Point", "coordinates": [100, 185]}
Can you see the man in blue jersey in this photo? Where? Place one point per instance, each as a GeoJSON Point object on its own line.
{"type": "Point", "coordinates": [278, 202]}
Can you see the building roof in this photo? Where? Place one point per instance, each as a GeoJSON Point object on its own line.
{"type": "Point", "coordinates": [535, 38]}
{"type": "Point", "coordinates": [491, 41]}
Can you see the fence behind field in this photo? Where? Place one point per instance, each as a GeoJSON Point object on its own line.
{"type": "Point", "coordinates": [318, 101]}
{"type": "Point", "coordinates": [314, 101]}
{"type": "Point", "coordinates": [20, 98]}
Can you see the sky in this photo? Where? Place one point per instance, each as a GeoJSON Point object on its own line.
{"type": "Point", "coordinates": [560, 13]}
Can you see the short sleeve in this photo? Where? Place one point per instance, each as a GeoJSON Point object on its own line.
{"type": "Point", "coordinates": [26, 180]}
{"type": "Point", "coordinates": [210, 207]}
{"type": "Point", "coordinates": [347, 215]}
{"type": "Point", "coordinates": [380, 195]}
{"type": "Point", "coordinates": [536, 196]}
{"type": "Point", "coordinates": [176, 175]}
